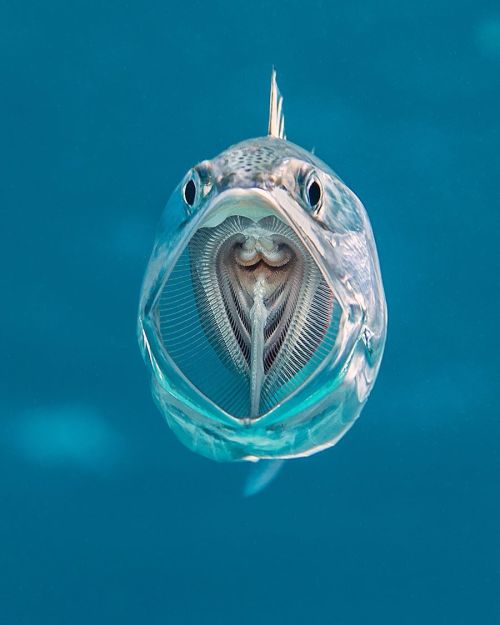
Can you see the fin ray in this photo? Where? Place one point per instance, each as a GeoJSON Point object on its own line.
{"type": "Point", "coordinates": [276, 126]}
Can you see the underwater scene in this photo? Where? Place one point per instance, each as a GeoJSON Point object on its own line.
{"type": "Point", "coordinates": [250, 291]}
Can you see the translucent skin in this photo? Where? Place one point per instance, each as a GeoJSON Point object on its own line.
{"type": "Point", "coordinates": [273, 173]}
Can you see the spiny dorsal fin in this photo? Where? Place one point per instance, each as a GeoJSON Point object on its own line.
{"type": "Point", "coordinates": [276, 117]}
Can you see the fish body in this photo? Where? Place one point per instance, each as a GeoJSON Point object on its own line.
{"type": "Point", "coordinates": [262, 313]}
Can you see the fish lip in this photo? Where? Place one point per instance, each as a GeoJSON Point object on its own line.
{"type": "Point", "coordinates": [253, 203]}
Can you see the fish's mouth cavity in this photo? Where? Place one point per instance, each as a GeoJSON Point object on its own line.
{"type": "Point", "coordinates": [247, 302]}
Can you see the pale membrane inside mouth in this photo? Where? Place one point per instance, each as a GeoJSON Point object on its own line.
{"type": "Point", "coordinates": [246, 314]}
{"type": "Point", "coordinates": [244, 208]}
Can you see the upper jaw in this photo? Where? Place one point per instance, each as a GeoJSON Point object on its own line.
{"type": "Point", "coordinates": [254, 204]}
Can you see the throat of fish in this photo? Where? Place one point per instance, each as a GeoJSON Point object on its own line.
{"type": "Point", "coordinates": [258, 318]}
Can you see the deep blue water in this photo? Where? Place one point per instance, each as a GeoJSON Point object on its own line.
{"type": "Point", "coordinates": [104, 516]}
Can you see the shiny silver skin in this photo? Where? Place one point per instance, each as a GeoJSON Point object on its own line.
{"type": "Point", "coordinates": [268, 179]}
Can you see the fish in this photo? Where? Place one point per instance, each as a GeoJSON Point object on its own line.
{"type": "Point", "coordinates": [262, 314]}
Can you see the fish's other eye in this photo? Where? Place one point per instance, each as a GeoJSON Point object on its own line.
{"type": "Point", "coordinates": [189, 192]}
{"type": "Point", "coordinates": [314, 193]}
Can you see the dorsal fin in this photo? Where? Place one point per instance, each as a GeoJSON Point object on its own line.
{"type": "Point", "coordinates": [276, 117]}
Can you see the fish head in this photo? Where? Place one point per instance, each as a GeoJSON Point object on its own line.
{"type": "Point", "coordinates": [262, 311]}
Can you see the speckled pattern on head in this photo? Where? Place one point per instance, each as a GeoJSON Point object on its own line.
{"type": "Point", "coordinates": [251, 163]}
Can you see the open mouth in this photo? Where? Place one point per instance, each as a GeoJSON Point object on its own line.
{"type": "Point", "coordinates": [246, 313]}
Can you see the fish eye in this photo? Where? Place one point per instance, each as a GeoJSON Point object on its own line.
{"type": "Point", "coordinates": [189, 192]}
{"type": "Point", "coordinates": [314, 193]}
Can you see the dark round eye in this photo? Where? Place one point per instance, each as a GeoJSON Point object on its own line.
{"type": "Point", "coordinates": [190, 192]}
{"type": "Point", "coordinates": [314, 193]}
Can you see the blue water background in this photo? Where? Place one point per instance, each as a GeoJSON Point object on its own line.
{"type": "Point", "coordinates": [104, 517]}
